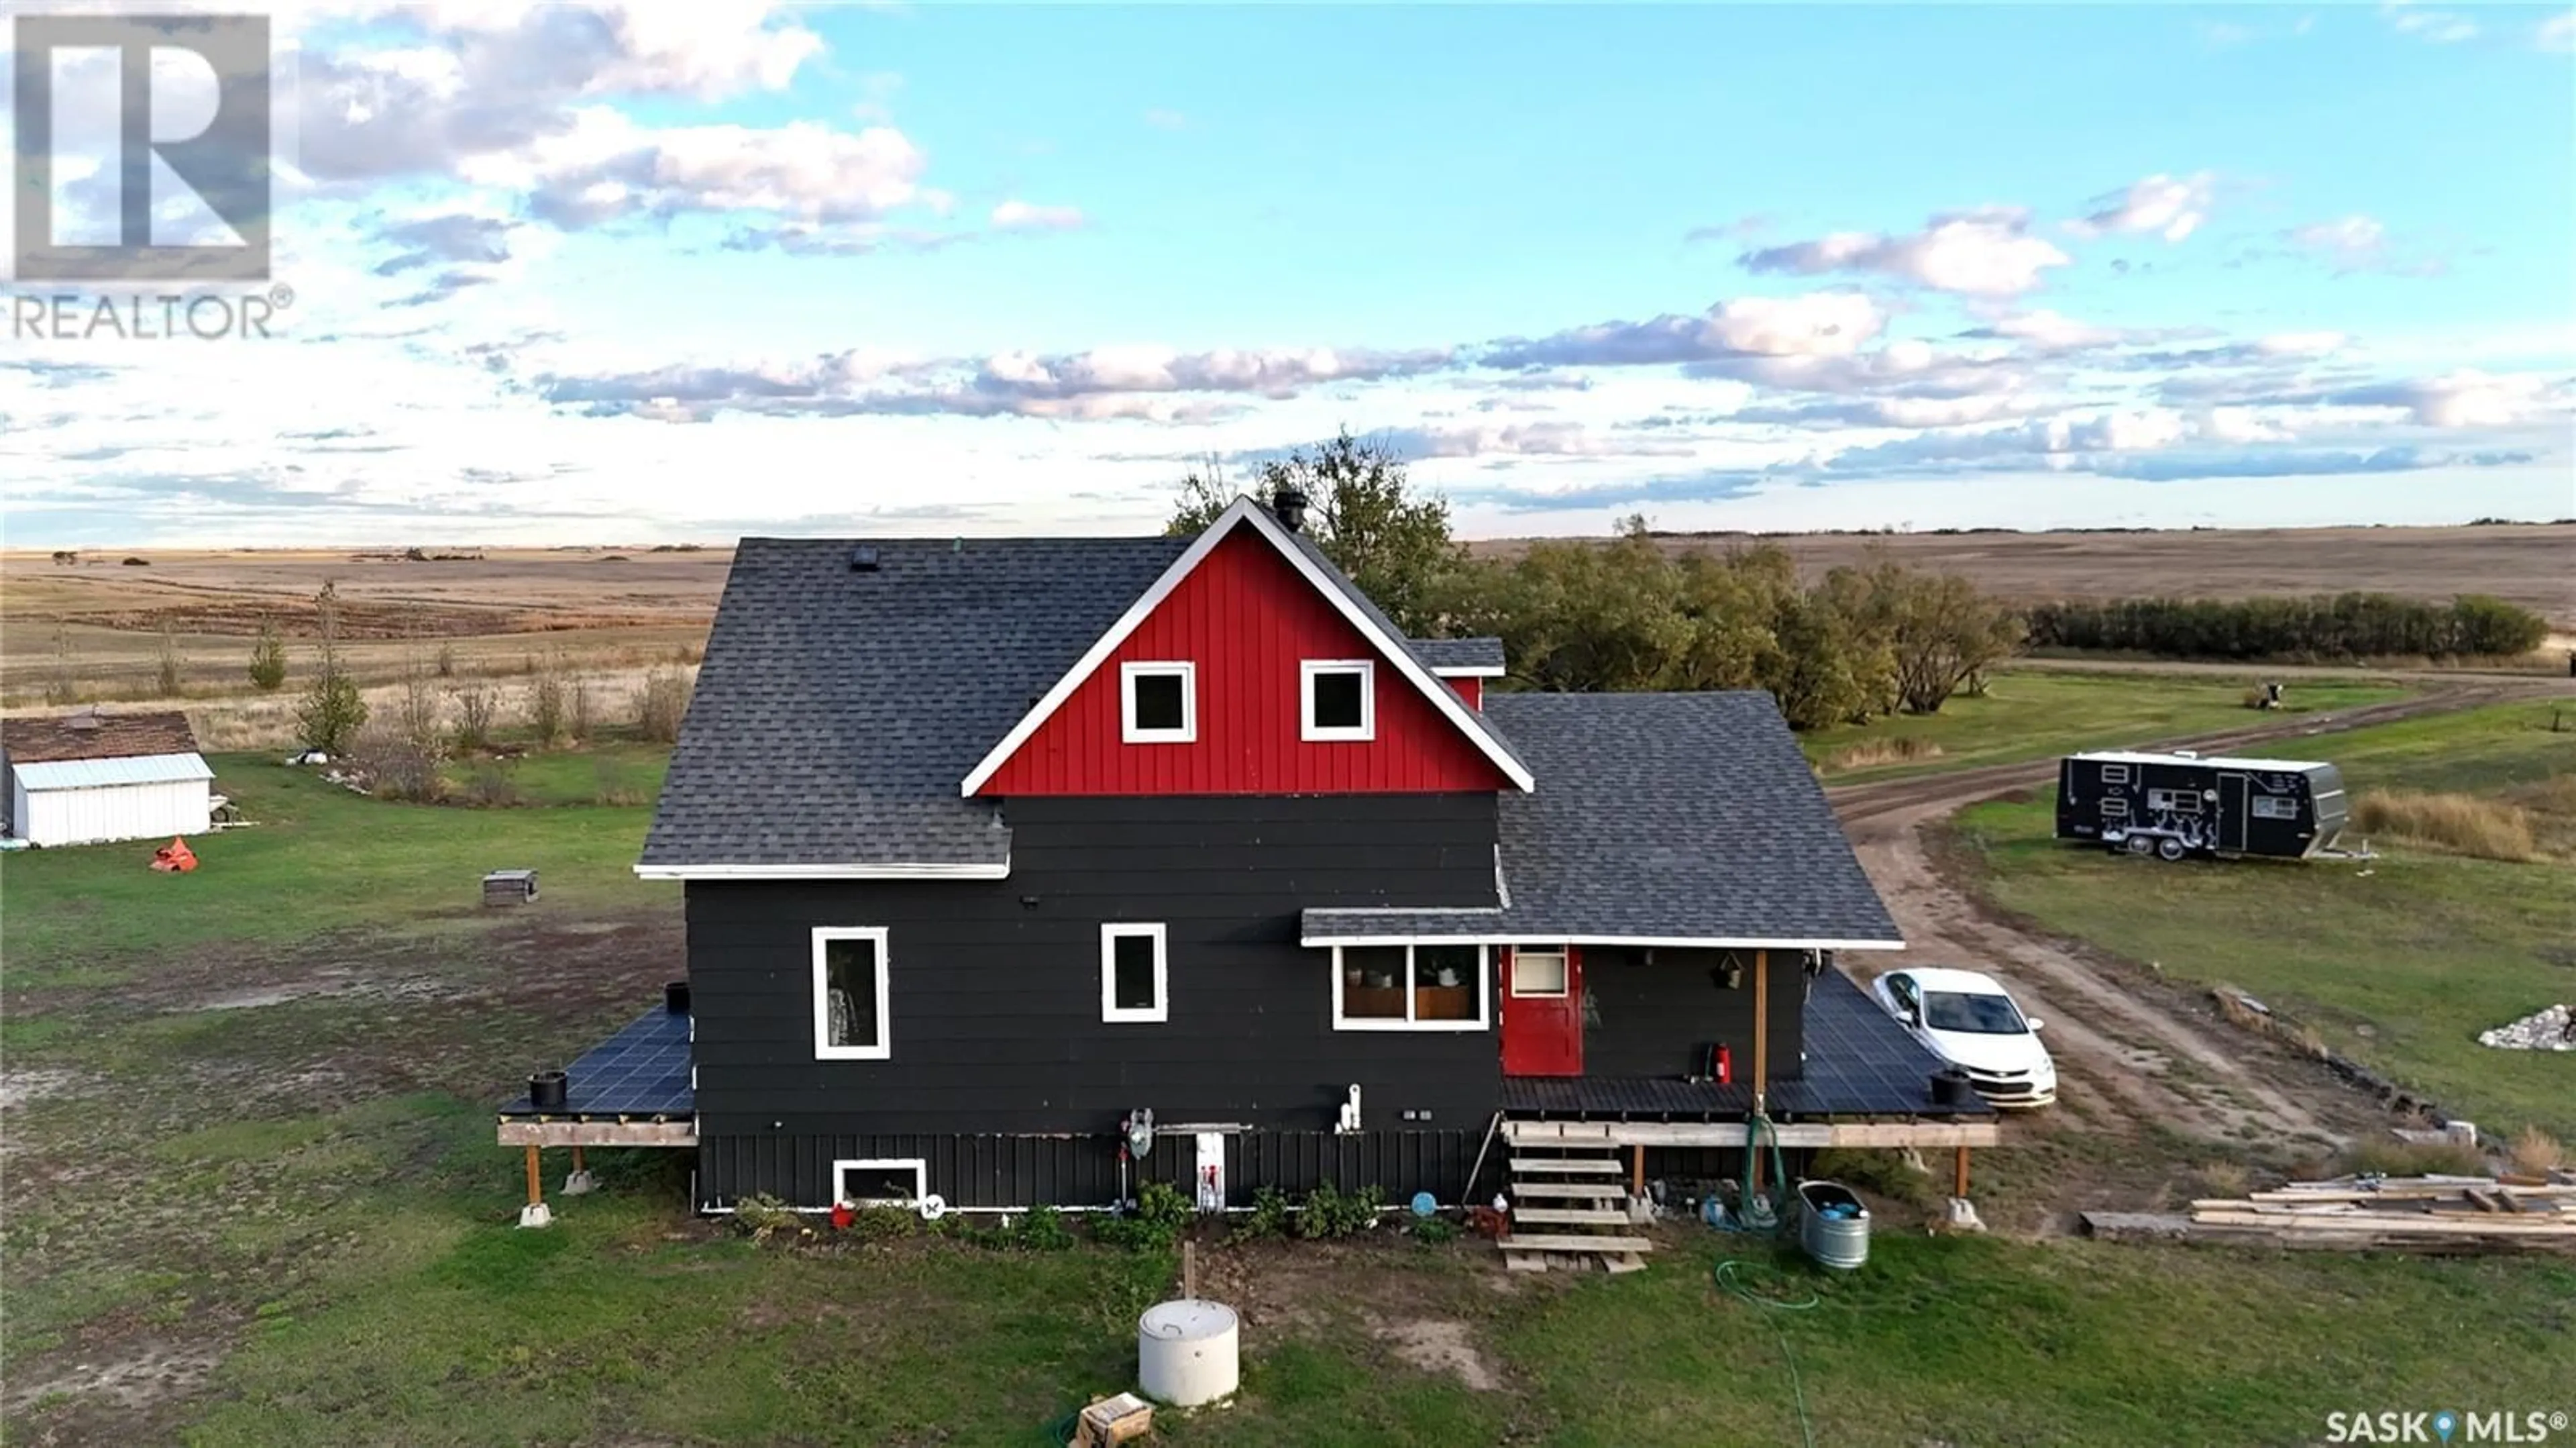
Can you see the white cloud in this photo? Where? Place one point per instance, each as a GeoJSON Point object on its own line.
{"type": "Point", "coordinates": [1984, 252]}
{"type": "Point", "coordinates": [1023, 216]}
{"type": "Point", "coordinates": [2171, 206]}
{"type": "Point", "coordinates": [2462, 399]}
{"type": "Point", "coordinates": [2241, 425]}
{"type": "Point", "coordinates": [1166, 120]}
{"type": "Point", "coordinates": [1818, 324]}
{"type": "Point", "coordinates": [2049, 331]}
{"type": "Point", "coordinates": [2557, 33]}
{"type": "Point", "coordinates": [2358, 243]}
{"type": "Point", "coordinates": [2301, 344]}
{"type": "Point", "coordinates": [2439, 27]}
{"type": "Point", "coordinates": [607, 168]}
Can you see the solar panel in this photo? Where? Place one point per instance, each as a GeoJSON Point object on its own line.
{"type": "Point", "coordinates": [643, 1070]}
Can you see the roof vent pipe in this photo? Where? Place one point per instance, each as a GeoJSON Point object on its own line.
{"type": "Point", "coordinates": [1290, 504]}
{"type": "Point", "coordinates": [863, 559]}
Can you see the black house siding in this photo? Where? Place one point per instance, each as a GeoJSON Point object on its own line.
{"type": "Point", "coordinates": [994, 987]}
{"type": "Point", "coordinates": [994, 1171]}
{"type": "Point", "coordinates": [1647, 1018]}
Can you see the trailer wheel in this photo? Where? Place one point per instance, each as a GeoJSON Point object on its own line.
{"type": "Point", "coordinates": [2141, 845]}
{"type": "Point", "coordinates": [2170, 848]}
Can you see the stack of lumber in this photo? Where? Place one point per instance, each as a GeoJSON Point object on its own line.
{"type": "Point", "coordinates": [2427, 1213]}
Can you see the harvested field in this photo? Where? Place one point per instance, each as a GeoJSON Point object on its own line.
{"type": "Point", "coordinates": [2533, 565]}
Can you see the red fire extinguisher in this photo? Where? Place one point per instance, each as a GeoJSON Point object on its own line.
{"type": "Point", "coordinates": [1725, 1066]}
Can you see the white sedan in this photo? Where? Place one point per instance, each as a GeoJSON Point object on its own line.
{"type": "Point", "coordinates": [1965, 1018]}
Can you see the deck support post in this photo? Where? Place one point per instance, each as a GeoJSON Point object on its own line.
{"type": "Point", "coordinates": [1761, 1028]}
{"type": "Point", "coordinates": [1637, 1170]}
{"type": "Point", "coordinates": [579, 1183]}
{"type": "Point", "coordinates": [535, 1214]}
{"type": "Point", "coordinates": [1959, 1173]}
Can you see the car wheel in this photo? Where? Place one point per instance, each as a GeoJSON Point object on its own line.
{"type": "Point", "coordinates": [2171, 849]}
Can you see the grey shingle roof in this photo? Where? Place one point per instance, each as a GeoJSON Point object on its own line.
{"type": "Point", "coordinates": [1484, 653]}
{"type": "Point", "coordinates": [1660, 816]}
{"type": "Point", "coordinates": [837, 710]}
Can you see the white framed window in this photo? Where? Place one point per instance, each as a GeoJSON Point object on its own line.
{"type": "Point", "coordinates": [1339, 699]}
{"type": "Point", "coordinates": [2275, 807]}
{"type": "Point", "coordinates": [1409, 988]}
{"type": "Point", "coordinates": [2179, 801]}
{"type": "Point", "coordinates": [1134, 981]}
{"type": "Point", "coordinates": [1158, 702]}
{"type": "Point", "coordinates": [893, 1181]}
{"type": "Point", "coordinates": [850, 993]}
{"type": "Point", "coordinates": [1539, 970]}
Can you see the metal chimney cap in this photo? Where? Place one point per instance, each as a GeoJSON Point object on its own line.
{"type": "Point", "coordinates": [1290, 504]}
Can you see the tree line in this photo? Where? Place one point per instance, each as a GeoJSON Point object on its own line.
{"type": "Point", "coordinates": [2327, 627]}
{"type": "Point", "coordinates": [1578, 616]}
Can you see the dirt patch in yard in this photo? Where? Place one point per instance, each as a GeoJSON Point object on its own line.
{"type": "Point", "coordinates": [1437, 1346]}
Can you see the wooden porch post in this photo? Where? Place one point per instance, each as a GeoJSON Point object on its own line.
{"type": "Point", "coordinates": [1637, 1170]}
{"type": "Point", "coordinates": [1761, 1027]}
{"type": "Point", "coordinates": [536, 1182]}
{"type": "Point", "coordinates": [1959, 1175]}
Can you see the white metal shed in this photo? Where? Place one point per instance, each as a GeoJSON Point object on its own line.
{"type": "Point", "coordinates": [91, 801]}
{"type": "Point", "coordinates": [91, 778]}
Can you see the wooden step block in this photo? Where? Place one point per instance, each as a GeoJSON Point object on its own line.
{"type": "Point", "coordinates": [1623, 1262]}
{"type": "Point", "coordinates": [1569, 1217]}
{"type": "Point", "coordinates": [1569, 1165]}
{"type": "Point", "coordinates": [1574, 1242]}
{"type": "Point", "coordinates": [1588, 1191]}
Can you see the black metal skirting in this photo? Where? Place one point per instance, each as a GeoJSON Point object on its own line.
{"type": "Point", "coordinates": [996, 1171]}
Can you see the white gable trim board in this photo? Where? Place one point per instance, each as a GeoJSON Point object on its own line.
{"type": "Point", "coordinates": [1245, 510]}
{"type": "Point", "coordinates": [101, 801]}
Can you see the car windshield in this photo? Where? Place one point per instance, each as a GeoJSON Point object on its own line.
{"type": "Point", "coordinates": [1976, 1015]}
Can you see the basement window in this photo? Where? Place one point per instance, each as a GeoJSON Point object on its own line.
{"type": "Point", "coordinates": [1158, 702]}
{"type": "Point", "coordinates": [1409, 988]}
{"type": "Point", "coordinates": [881, 1181]}
{"type": "Point", "coordinates": [1133, 975]}
{"type": "Point", "coordinates": [1340, 699]}
{"type": "Point", "coordinates": [850, 993]}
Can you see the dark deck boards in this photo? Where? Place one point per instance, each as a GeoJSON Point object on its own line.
{"type": "Point", "coordinates": [643, 1070]}
{"type": "Point", "coordinates": [1859, 1063]}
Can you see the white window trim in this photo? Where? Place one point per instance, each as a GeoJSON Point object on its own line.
{"type": "Point", "coordinates": [1565, 975]}
{"type": "Point", "coordinates": [919, 1166]}
{"type": "Point", "coordinates": [1110, 935]}
{"type": "Point", "coordinates": [824, 1050]}
{"type": "Point", "coordinates": [2115, 774]}
{"type": "Point", "coordinates": [1314, 733]}
{"type": "Point", "coordinates": [1484, 998]}
{"type": "Point", "coordinates": [1184, 670]}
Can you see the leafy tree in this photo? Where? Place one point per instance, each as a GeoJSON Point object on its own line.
{"type": "Point", "coordinates": [1941, 631]}
{"type": "Point", "coordinates": [332, 711]}
{"type": "Point", "coordinates": [1361, 511]}
{"type": "Point", "coordinates": [268, 659]}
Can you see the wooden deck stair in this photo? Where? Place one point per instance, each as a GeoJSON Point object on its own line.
{"type": "Point", "coordinates": [1576, 1197]}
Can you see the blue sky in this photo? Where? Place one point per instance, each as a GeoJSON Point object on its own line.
{"type": "Point", "coordinates": [643, 271]}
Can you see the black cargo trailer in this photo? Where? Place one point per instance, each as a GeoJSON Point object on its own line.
{"type": "Point", "coordinates": [2172, 805]}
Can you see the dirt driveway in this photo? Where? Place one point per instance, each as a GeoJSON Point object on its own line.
{"type": "Point", "coordinates": [2133, 1053]}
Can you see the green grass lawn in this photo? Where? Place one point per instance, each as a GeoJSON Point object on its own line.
{"type": "Point", "coordinates": [2398, 963]}
{"type": "Point", "coordinates": [297, 1197]}
{"type": "Point", "coordinates": [2035, 714]}
{"type": "Point", "coordinates": [321, 858]}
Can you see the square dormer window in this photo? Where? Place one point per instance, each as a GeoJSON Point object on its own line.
{"type": "Point", "coordinates": [1340, 699]}
{"type": "Point", "coordinates": [1158, 703]}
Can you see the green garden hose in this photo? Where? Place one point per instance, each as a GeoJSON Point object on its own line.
{"type": "Point", "coordinates": [1758, 1212]}
{"type": "Point", "coordinates": [1730, 1278]}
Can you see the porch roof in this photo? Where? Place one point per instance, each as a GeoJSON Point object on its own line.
{"type": "Point", "coordinates": [1658, 819]}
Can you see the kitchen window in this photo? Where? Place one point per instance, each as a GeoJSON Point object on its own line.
{"type": "Point", "coordinates": [1409, 988]}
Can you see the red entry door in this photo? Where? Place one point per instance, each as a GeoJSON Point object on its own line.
{"type": "Point", "coordinates": [1542, 1011]}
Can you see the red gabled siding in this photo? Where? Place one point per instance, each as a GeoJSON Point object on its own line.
{"type": "Point", "coordinates": [1472, 690]}
{"type": "Point", "coordinates": [1247, 619]}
